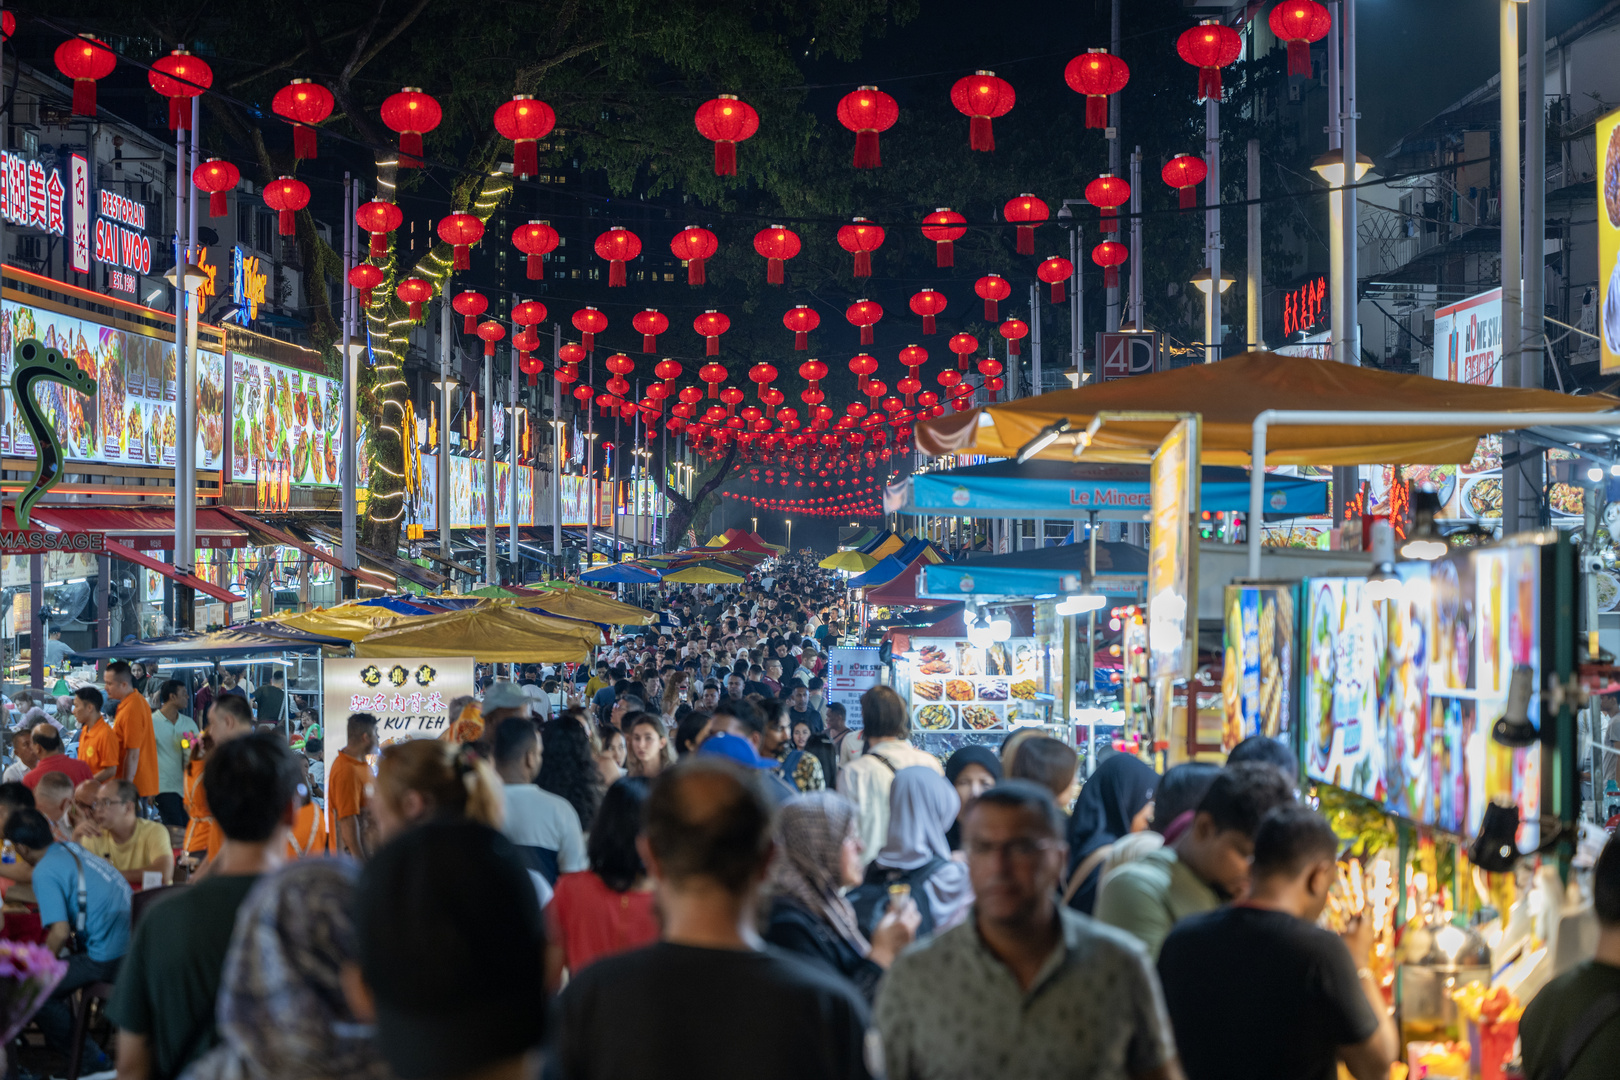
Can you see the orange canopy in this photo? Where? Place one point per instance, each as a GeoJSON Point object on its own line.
{"type": "Point", "coordinates": [1230, 394]}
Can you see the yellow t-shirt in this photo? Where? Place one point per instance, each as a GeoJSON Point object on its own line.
{"type": "Point", "coordinates": [144, 846]}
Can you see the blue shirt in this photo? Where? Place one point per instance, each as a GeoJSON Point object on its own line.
{"type": "Point", "coordinates": [605, 698]}
{"type": "Point", "coordinates": [56, 887]}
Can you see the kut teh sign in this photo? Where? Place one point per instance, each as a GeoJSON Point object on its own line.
{"type": "Point", "coordinates": [1120, 356]}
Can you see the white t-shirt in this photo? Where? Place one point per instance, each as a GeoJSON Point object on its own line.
{"type": "Point", "coordinates": [540, 819]}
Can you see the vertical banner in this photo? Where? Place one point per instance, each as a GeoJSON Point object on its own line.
{"type": "Point", "coordinates": [79, 205]}
{"type": "Point", "coordinates": [1608, 222]}
{"type": "Point", "coordinates": [851, 672]}
{"type": "Point", "coordinates": [1173, 568]}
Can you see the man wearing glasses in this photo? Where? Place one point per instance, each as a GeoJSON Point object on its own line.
{"type": "Point", "coordinates": [135, 846]}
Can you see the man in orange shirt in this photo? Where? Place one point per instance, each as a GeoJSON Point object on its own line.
{"type": "Point", "coordinates": [98, 746]}
{"type": "Point", "coordinates": [137, 742]}
{"type": "Point", "coordinates": [346, 783]}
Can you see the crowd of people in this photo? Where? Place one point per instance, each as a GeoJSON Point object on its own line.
{"type": "Point", "coordinates": [682, 861]}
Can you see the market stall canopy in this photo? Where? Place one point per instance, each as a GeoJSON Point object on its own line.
{"type": "Point", "coordinates": [1052, 571]}
{"type": "Point", "coordinates": [706, 573]}
{"type": "Point", "coordinates": [887, 546]}
{"type": "Point", "coordinates": [1231, 393]}
{"type": "Point", "coordinates": [870, 545]}
{"type": "Point", "coordinates": [499, 632]}
{"type": "Point", "coordinates": [850, 562]}
{"type": "Point", "coordinates": [1022, 617]}
{"type": "Point", "coordinates": [144, 528]}
{"type": "Point", "coordinates": [737, 540]}
{"type": "Point", "coordinates": [587, 604]}
{"type": "Point", "coordinates": [902, 590]}
{"type": "Point", "coordinates": [397, 606]}
{"type": "Point", "coordinates": [625, 573]}
{"type": "Point", "coordinates": [351, 622]}
{"type": "Point", "coordinates": [1071, 489]}
{"type": "Point", "coordinates": [237, 642]}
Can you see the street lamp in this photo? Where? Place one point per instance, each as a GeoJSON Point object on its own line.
{"type": "Point", "coordinates": [790, 536]}
{"type": "Point", "coordinates": [1330, 167]}
{"type": "Point", "coordinates": [1212, 330]}
{"type": "Point", "coordinates": [188, 278]}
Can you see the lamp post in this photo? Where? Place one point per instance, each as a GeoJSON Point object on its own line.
{"type": "Point", "coordinates": [1212, 308]}
{"type": "Point", "coordinates": [1330, 167]}
{"type": "Point", "coordinates": [187, 278]}
{"type": "Point", "coordinates": [596, 501]}
{"type": "Point", "coordinates": [790, 536]}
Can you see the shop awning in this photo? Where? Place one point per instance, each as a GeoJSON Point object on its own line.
{"type": "Point", "coordinates": [1072, 489]}
{"type": "Point", "coordinates": [391, 564]}
{"type": "Point", "coordinates": [145, 528]}
{"type": "Point", "coordinates": [1052, 571]}
{"type": "Point", "coordinates": [1230, 394]}
{"type": "Point", "coordinates": [495, 632]}
{"type": "Point", "coordinates": [128, 554]}
{"type": "Point", "coordinates": [621, 574]}
{"type": "Point", "coordinates": [1022, 617]}
{"type": "Point", "coordinates": [852, 562]}
{"type": "Point", "coordinates": [264, 535]}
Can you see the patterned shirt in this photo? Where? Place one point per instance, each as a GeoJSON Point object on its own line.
{"type": "Point", "coordinates": [950, 1010]}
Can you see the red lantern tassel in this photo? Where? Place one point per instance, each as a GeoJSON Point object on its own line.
{"type": "Point", "coordinates": [462, 257]}
{"type": "Point", "coordinates": [866, 150]}
{"type": "Point", "coordinates": [1096, 111]}
{"type": "Point", "coordinates": [773, 271]}
{"type": "Point", "coordinates": [410, 150]}
{"type": "Point", "coordinates": [1026, 239]}
{"type": "Point", "coordinates": [928, 325]}
{"type": "Point", "coordinates": [725, 158]}
{"type": "Point", "coordinates": [649, 343]}
{"type": "Point", "coordinates": [532, 378]}
{"type": "Point", "coordinates": [179, 114]}
{"type": "Point", "coordinates": [694, 272]}
{"type": "Point", "coordinates": [365, 297]}
{"type": "Point", "coordinates": [1012, 348]}
{"type": "Point", "coordinates": [526, 157]}
{"type": "Point", "coordinates": [414, 312]}
{"type": "Point", "coordinates": [1057, 292]}
{"type": "Point", "coordinates": [288, 227]}
{"type": "Point", "coordinates": [990, 309]}
{"type": "Point", "coordinates": [1189, 196]}
{"type": "Point", "coordinates": [535, 270]}
{"type": "Point", "coordinates": [588, 340]}
{"type": "Point", "coordinates": [469, 324]}
{"type": "Point", "coordinates": [379, 245]}
{"type": "Point", "coordinates": [1110, 277]}
{"type": "Point", "coordinates": [944, 254]}
{"type": "Point", "coordinates": [713, 392]}
{"type": "Point", "coordinates": [1110, 219]}
{"type": "Point", "coordinates": [1299, 58]}
{"type": "Point", "coordinates": [615, 273]}
{"type": "Point", "coordinates": [980, 137]}
{"type": "Point", "coordinates": [961, 361]}
{"type": "Point", "coordinates": [216, 204]}
{"type": "Point", "coordinates": [801, 343]}
{"type": "Point", "coordinates": [84, 97]}
{"type": "Point", "coordinates": [863, 263]}
{"type": "Point", "coordinates": [1209, 84]}
{"type": "Point", "coordinates": [303, 142]}
{"type": "Point", "coordinates": [866, 335]}
{"type": "Point", "coordinates": [712, 348]}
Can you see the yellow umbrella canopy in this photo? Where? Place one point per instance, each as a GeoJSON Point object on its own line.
{"type": "Point", "coordinates": [497, 632]}
{"type": "Point", "coordinates": [705, 573]}
{"type": "Point", "coordinates": [851, 562]}
{"type": "Point", "coordinates": [587, 604]}
{"type": "Point", "coordinates": [348, 621]}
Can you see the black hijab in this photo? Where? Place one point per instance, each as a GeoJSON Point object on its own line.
{"type": "Point", "coordinates": [1115, 794]}
{"type": "Point", "coordinates": [986, 759]}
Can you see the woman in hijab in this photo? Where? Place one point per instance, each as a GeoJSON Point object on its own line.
{"type": "Point", "coordinates": [971, 770]}
{"type": "Point", "coordinates": [922, 805]}
{"type": "Point", "coordinates": [1116, 801]}
{"type": "Point", "coordinates": [281, 1010]}
{"type": "Point", "coordinates": [818, 854]}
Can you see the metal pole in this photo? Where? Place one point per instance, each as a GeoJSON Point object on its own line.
{"type": "Point", "coordinates": [1035, 377]}
{"type": "Point", "coordinates": [1256, 335]}
{"type": "Point", "coordinates": [1091, 616]}
{"type": "Point", "coordinates": [185, 491]}
{"type": "Point", "coordinates": [590, 465]}
{"type": "Point", "coordinates": [1136, 241]}
{"type": "Point", "coordinates": [1513, 479]}
{"type": "Point", "coordinates": [1111, 296]}
{"type": "Point", "coordinates": [1212, 229]}
{"type": "Point", "coordinates": [1533, 357]}
{"type": "Point", "coordinates": [1352, 292]}
{"type": "Point", "coordinates": [1336, 313]}
{"type": "Point", "coordinates": [1077, 305]}
{"type": "Point", "coordinates": [491, 570]}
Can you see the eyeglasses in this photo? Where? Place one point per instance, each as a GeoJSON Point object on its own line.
{"type": "Point", "coordinates": [1021, 849]}
{"type": "Point", "coordinates": [107, 804]}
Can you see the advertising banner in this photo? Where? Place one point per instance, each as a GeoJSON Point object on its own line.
{"type": "Point", "coordinates": [851, 672]}
{"type": "Point", "coordinates": [1172, 596]}
{"type": "Point", "coordinates": [1608, 222]}
{"type": "Point", "coordinates": [1468, 340]}
{"type": "Point", "coordinates": [281, 415]}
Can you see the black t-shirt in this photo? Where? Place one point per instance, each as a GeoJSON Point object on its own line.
{"type": "Point", "coordinates": [1261, 995]}
{"type": "Point", "coordinates": [1553, 1013]}
{"type": "Point", "coordinates": [673, 1012]}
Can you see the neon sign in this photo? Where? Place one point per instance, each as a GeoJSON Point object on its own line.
{"type": "Point", "coordinates": [33, 197]}
{"type": "Point", "coordinates": [120, 241]}
{"type": "Point", "coordinates": [247, 286]}
{"type": "Point", "coordinates": [1304, 307]}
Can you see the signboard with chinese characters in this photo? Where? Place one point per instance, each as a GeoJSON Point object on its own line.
{"type": "Point", "coordinates": [280, 414]}
{"type": "Point", "coordinates": [1608, 229]}
{"type": "Point", "coordinates": [32, 196]}
{"type": "Point", "coordinates": [1468, 340]}
{"type": "Point", "coordinates": [1305, 307]}
{"type": "Point", "coordinates": [248, 283]}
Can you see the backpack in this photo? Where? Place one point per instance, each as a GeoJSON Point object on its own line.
{"type": "Point", "coordinates": [870, 898]}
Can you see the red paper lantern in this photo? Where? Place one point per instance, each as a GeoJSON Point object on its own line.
{"type": "Point", "coordinates": [762, 374]}
{"type": "Point", "coordinates": [801, 320]}
{"type": "Point", "coordinates": [860, 239]}
{"type": "Point", "coordinates": [618, 245]}
{"type": "Point", "coordinates": [379, 219]}
{"type": "Point", "coordinates": [525, 121]}
{"type": "Point", "coordinates": [571, 354]}
{"type": "Point", "coordinates": [365, 277]}
{"type": "Point", "coordinates": [583, 395]}
{"type": "Point", "coordinates": [286, 196]}
{"type": "Point", "coordinates": [991, 369]}
{"type": "Point", "coordinates": [866, 110]}
{"type": "Point", "coordinates": [692, 245]}
{"type": "Point", "coordinates": [536, 240]}
{"type": "Point", "coordinates": [1110, 255]}
{"type": "Point", "coordinates": [84, 60]}
{"type": "Point", "coordinates": [1055, 271]}
{"type": "Point", "coordinates": [461, 232]}
{"type": "Point", "coordinates": [415, 292]}
{"type": "Point", "coordinates": [668, 370]}
{"type": "Point", "coordinates": [411, 114]}
{"type": "Point", "coordinates": [713, 374]}
{"type": "Point", "coordinates": [491, 332]}
{"type": "Point", "coordinates": [1107, 193]}
{"type": "Point", "coordinates": [963, 345]}
{"type": "Point", "coordinates": [1184, 173]}
{"type": "Point", "coordinates": [1097, 73]}
{"type": "Point", "coordinates": [1026, 211]}
{"type": "Point", "coordinates": [725, 121]}
{"type": "Point", "coordinates": [1300, 22]}
{"type": "Point", "coordinates": [982, 97]}
{"type": "Point", "coordinates": [303, 104]}
{"type": "Point", "coordinates": [928, 303]}
{"type": "Point", "coordinates": [711, 324]}
{"type": "Point", "coordinates": [1013, 330]}
{"type": "Point", "coordinates": [1209, 46]}
{"type": "Point", "coordinates": [992, 288]}
{"type": "Point", "coordinates": [950, 376]}
{"type": "Point", "coordinates": [216, 178]}
{"type": "Point", "coordinates": [777, 245]}
{"type": "Point", "coordinates": [527, 363]}
{"type": "Point", "coordinates": [862, 365]}
{"type": "Point", "coordinates": [864, 314]}
{"type": "Point", "coordinates": [944, 226]}
{"type": "Point", "coordinates": [180, 77]}
{"type": "Point", "coordinates": [649, 324]}
{"type": "Point", "coordinates": [813, 371]}
{"type": "Point", "coordinates": [529, 313]}
{"type": "Point", "coordinates": [469, 305]}
{"type": "Point", "coordinates": [691, 395]}
{"type": "Point", "coordinates": [589, 322]}
{"type": "Point", "coordinates": [8, 24]}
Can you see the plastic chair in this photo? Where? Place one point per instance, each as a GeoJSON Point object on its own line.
{"type": "Point", "coordinates": [85, 998]}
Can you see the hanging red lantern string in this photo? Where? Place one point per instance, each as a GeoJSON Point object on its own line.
{"type": "Point", "coordinates": [801, 320]}
{"type": "Point", "coordinates": [525, 121]}
{"type": "Point", "coordinates": [1013, 330]}
{"type": "Point", "coordinates": [536, 240]}
{"type": "Point", "coordinates": [589, 322]}
{"type": "Point", "coordinates": [944, 226]}
{"type": "Point", "coordinates": [1209, 46]}
{"type": "Point", "coordinates": [411, 114]}
{"type": "Point", "coordinates": [216, 178]}
{"type": "Point", "coordinates": [963, 345]}
{"type": "Point", "coordinates": [992, 288]}
{"type": "Point", "coordinates": [1096, 73]}
{"type": "Point", "coordinates": [525, 343]}
{"type": "Point", "coordinates": [618, 246]}
{"type": "Point", "coordinates": [469, 305]}
{"type": "Point", "coordinates": [725, 121]}
{"type": "Point", "coordinates": [668, 370]}
{"type": "Point", "coordinates": [732, 398]}
{"type": "Point", "coordinates": [529, 314]}
{"type": "Point", "coordinates": [414, 292]}
{"type": "Point", "coordinates": [364, 278]}
{"type": "Point", "coordinates": [928, 303]}
{"type": "Point", "coordinates": [866, 110]}
{"type": "Point", "coordinates": [1055, 271]}
{"type": "Point", "coordinates": [874, 390]}
{"type": "Point", "coordinates": [860, 239]}
{"type": "Point", "coordinates": [777, 245]}
{"type": "Point", "coordinates": [620, 365]}
{"type": "Point", "coordinates": [864, 314]}
{"type": "Point", "coordinates": [862, 366]}
{"type": "Point", "coordinates": [1110, 255]}
{"type": "Point", "coordinates": [1300, 22]}
{"type": "Point", "coordinates": [692, 245]}
{"type": "Point", "coordinates": [286, 196]}
{"type": "Point", "coordinates": [180, 77]}
{"type": "Point", "coordinates": [649, 324]}
{"type": "Point", "coordinates": [711, 324]}
{"type": "Point", "coordinates": [1184, 173]}
{"type": "Point", "coordinates": [913, 357]}
{"type": "Point", "coordinates": [569, 357]}
{"type": "Point", "coordinates": [379, 219]}
{"type": "Point", "coordinates": [1026, 211]}
{"type": "Point", "coordinates": [1107, 193]}
{"type": "Point", "coordinates": [84, 60]}
{"type": "Point", "coordinates": [982, 97]}
{"type": "Point", "coordinates": [461, 232]}
{"type": "Point", "coordinates": [303, 104]}
{"type": "Point", "coordinates": [812, 372]}
{"type": "Point", "coordinates": [991, 369]}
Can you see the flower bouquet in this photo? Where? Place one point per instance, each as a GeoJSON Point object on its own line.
{"type": "Point", "coordinates": [28, 974]}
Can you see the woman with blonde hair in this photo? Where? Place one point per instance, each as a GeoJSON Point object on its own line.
{"type": "Point", "coordinates": [674, 694]}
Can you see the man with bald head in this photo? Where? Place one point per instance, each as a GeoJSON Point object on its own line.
{"type": "Point", "coordinates": [706, 846]}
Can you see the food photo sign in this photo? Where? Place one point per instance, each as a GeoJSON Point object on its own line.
{"type": "Point", "coordinates": [281, 415]}
{"type": "Point", "coordinates": [959, 693]}
{"type": "Point", "coordinates": [1608, 223]}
